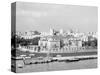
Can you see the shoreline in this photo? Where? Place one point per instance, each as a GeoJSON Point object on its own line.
{"type": "Point", "coordinates": [56, 66]}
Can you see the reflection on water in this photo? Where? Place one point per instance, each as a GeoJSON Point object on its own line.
{"type": "Point", "coordinates": [83, 64]}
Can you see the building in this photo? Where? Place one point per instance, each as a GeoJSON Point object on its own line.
{"type": "Point", "coordinates": [54, 41]}
{"type": "Point", "coordinates": [49, 42]}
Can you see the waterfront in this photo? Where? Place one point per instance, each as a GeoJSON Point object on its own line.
{"type": "Point", "coordinates": [67, 53]}
{"type": "Point", "coordinates": [82, 64]}
{"type": "Point", "coordinates": [60, 64]}
{"type": "Point", "coordinates": [45, 38]}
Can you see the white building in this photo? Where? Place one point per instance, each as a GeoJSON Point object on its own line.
{"type": "Point", "coordinates": [49, 42]}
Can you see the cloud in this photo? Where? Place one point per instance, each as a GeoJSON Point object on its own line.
{"type": "Point", "coordinates": [36, 14]}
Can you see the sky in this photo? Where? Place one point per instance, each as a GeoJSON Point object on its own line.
{"type": "Point", "coordinates": [42, 17]}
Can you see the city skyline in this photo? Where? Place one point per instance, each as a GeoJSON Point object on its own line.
{"type": "Point", "coordinates": [53, 37]}
{"type": "Point", "coordinates": [41, 17]}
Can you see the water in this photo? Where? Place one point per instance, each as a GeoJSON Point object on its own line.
{"type": "Point", "coordinates": [83, 64]}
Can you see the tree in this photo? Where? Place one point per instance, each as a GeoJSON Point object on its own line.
{"type": "Point", "coordinates": [61, 43]}
{"type": "Point", "coordinates": [36, 32]}
{"type": "Point", "coordinates": [35, 40]}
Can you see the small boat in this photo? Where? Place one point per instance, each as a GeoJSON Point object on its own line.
{"type": "Point", "coordinates": [72, 60]}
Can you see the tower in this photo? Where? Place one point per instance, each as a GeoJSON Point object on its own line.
{"type": "Point", "coordinates": [51, 31]}
{"type": "Point", "coordinates": [61, 31]}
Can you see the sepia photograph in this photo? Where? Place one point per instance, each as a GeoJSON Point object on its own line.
{"type": "Point", "coordinates": [53, 37]}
